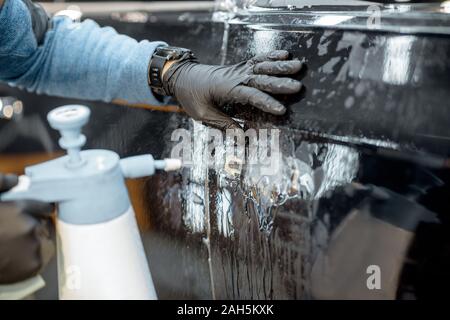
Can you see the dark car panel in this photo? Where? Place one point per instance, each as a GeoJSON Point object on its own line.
{"type": "Point", "coordinates": [365, 156]}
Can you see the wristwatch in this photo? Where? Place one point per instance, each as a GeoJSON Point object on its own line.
{"type": "Point", "coordinates": [157, 62]}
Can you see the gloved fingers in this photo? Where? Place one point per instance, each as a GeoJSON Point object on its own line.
{"type": "Point", "coordinates": [278, 67]}
{"type": "Point", "coordinates": [19, 245]}
{"type": "Point", "coordinates": [36, 209]}
{"type": "Point", "coordinates": [20, 258]}
{"type": "Point", "coordinates": [258, 99]}
{"type": "Point", "coordinates": [275, 85]}
{"type": "Point", "coordinates": [8, 181]}
{"type": "Point", "coordinates": [270, 56]}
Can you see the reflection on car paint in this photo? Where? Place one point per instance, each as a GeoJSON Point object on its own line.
{"type": "Point", "coordinates": [366, 141]}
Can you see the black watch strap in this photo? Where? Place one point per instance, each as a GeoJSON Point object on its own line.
{"type": "Point", "coordinates": [157, 62]}
{"type": "Point", "coordinates": [154, 75]}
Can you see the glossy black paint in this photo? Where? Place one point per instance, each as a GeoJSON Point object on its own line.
{"type": "Point", "coordinates": [374, 112]}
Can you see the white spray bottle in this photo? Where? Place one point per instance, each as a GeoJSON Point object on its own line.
{"type": "Point", "coordinates": [99, 249]}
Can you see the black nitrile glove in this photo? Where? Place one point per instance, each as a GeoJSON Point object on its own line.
{"type": "Point", "coordinates": [200, 89]}
{"type": "Point", "coordinates": [25, 236]}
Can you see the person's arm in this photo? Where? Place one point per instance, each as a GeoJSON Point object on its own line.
{"type": "Point", "coordinates": [76, 60]}
{"type": "Point", "coordinates": [82, 60]}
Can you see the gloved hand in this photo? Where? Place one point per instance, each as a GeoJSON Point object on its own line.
{"type": "Point", "coordinates": [200, 89]}
{"type": "Point", "coordinates": [25, 236]}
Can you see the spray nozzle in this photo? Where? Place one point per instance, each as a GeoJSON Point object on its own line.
{"type": "Point", "coordinates": [145, 165]}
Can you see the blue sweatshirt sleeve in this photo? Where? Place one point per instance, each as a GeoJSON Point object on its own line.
{"type": "Point", "coordinates": [76, 60]}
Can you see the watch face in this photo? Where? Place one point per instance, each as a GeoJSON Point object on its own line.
{"type": "Point", "coordinates": [172, 52]}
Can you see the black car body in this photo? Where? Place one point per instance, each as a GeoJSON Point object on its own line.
{"type": "Point", "coordinates": [364, 182]}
